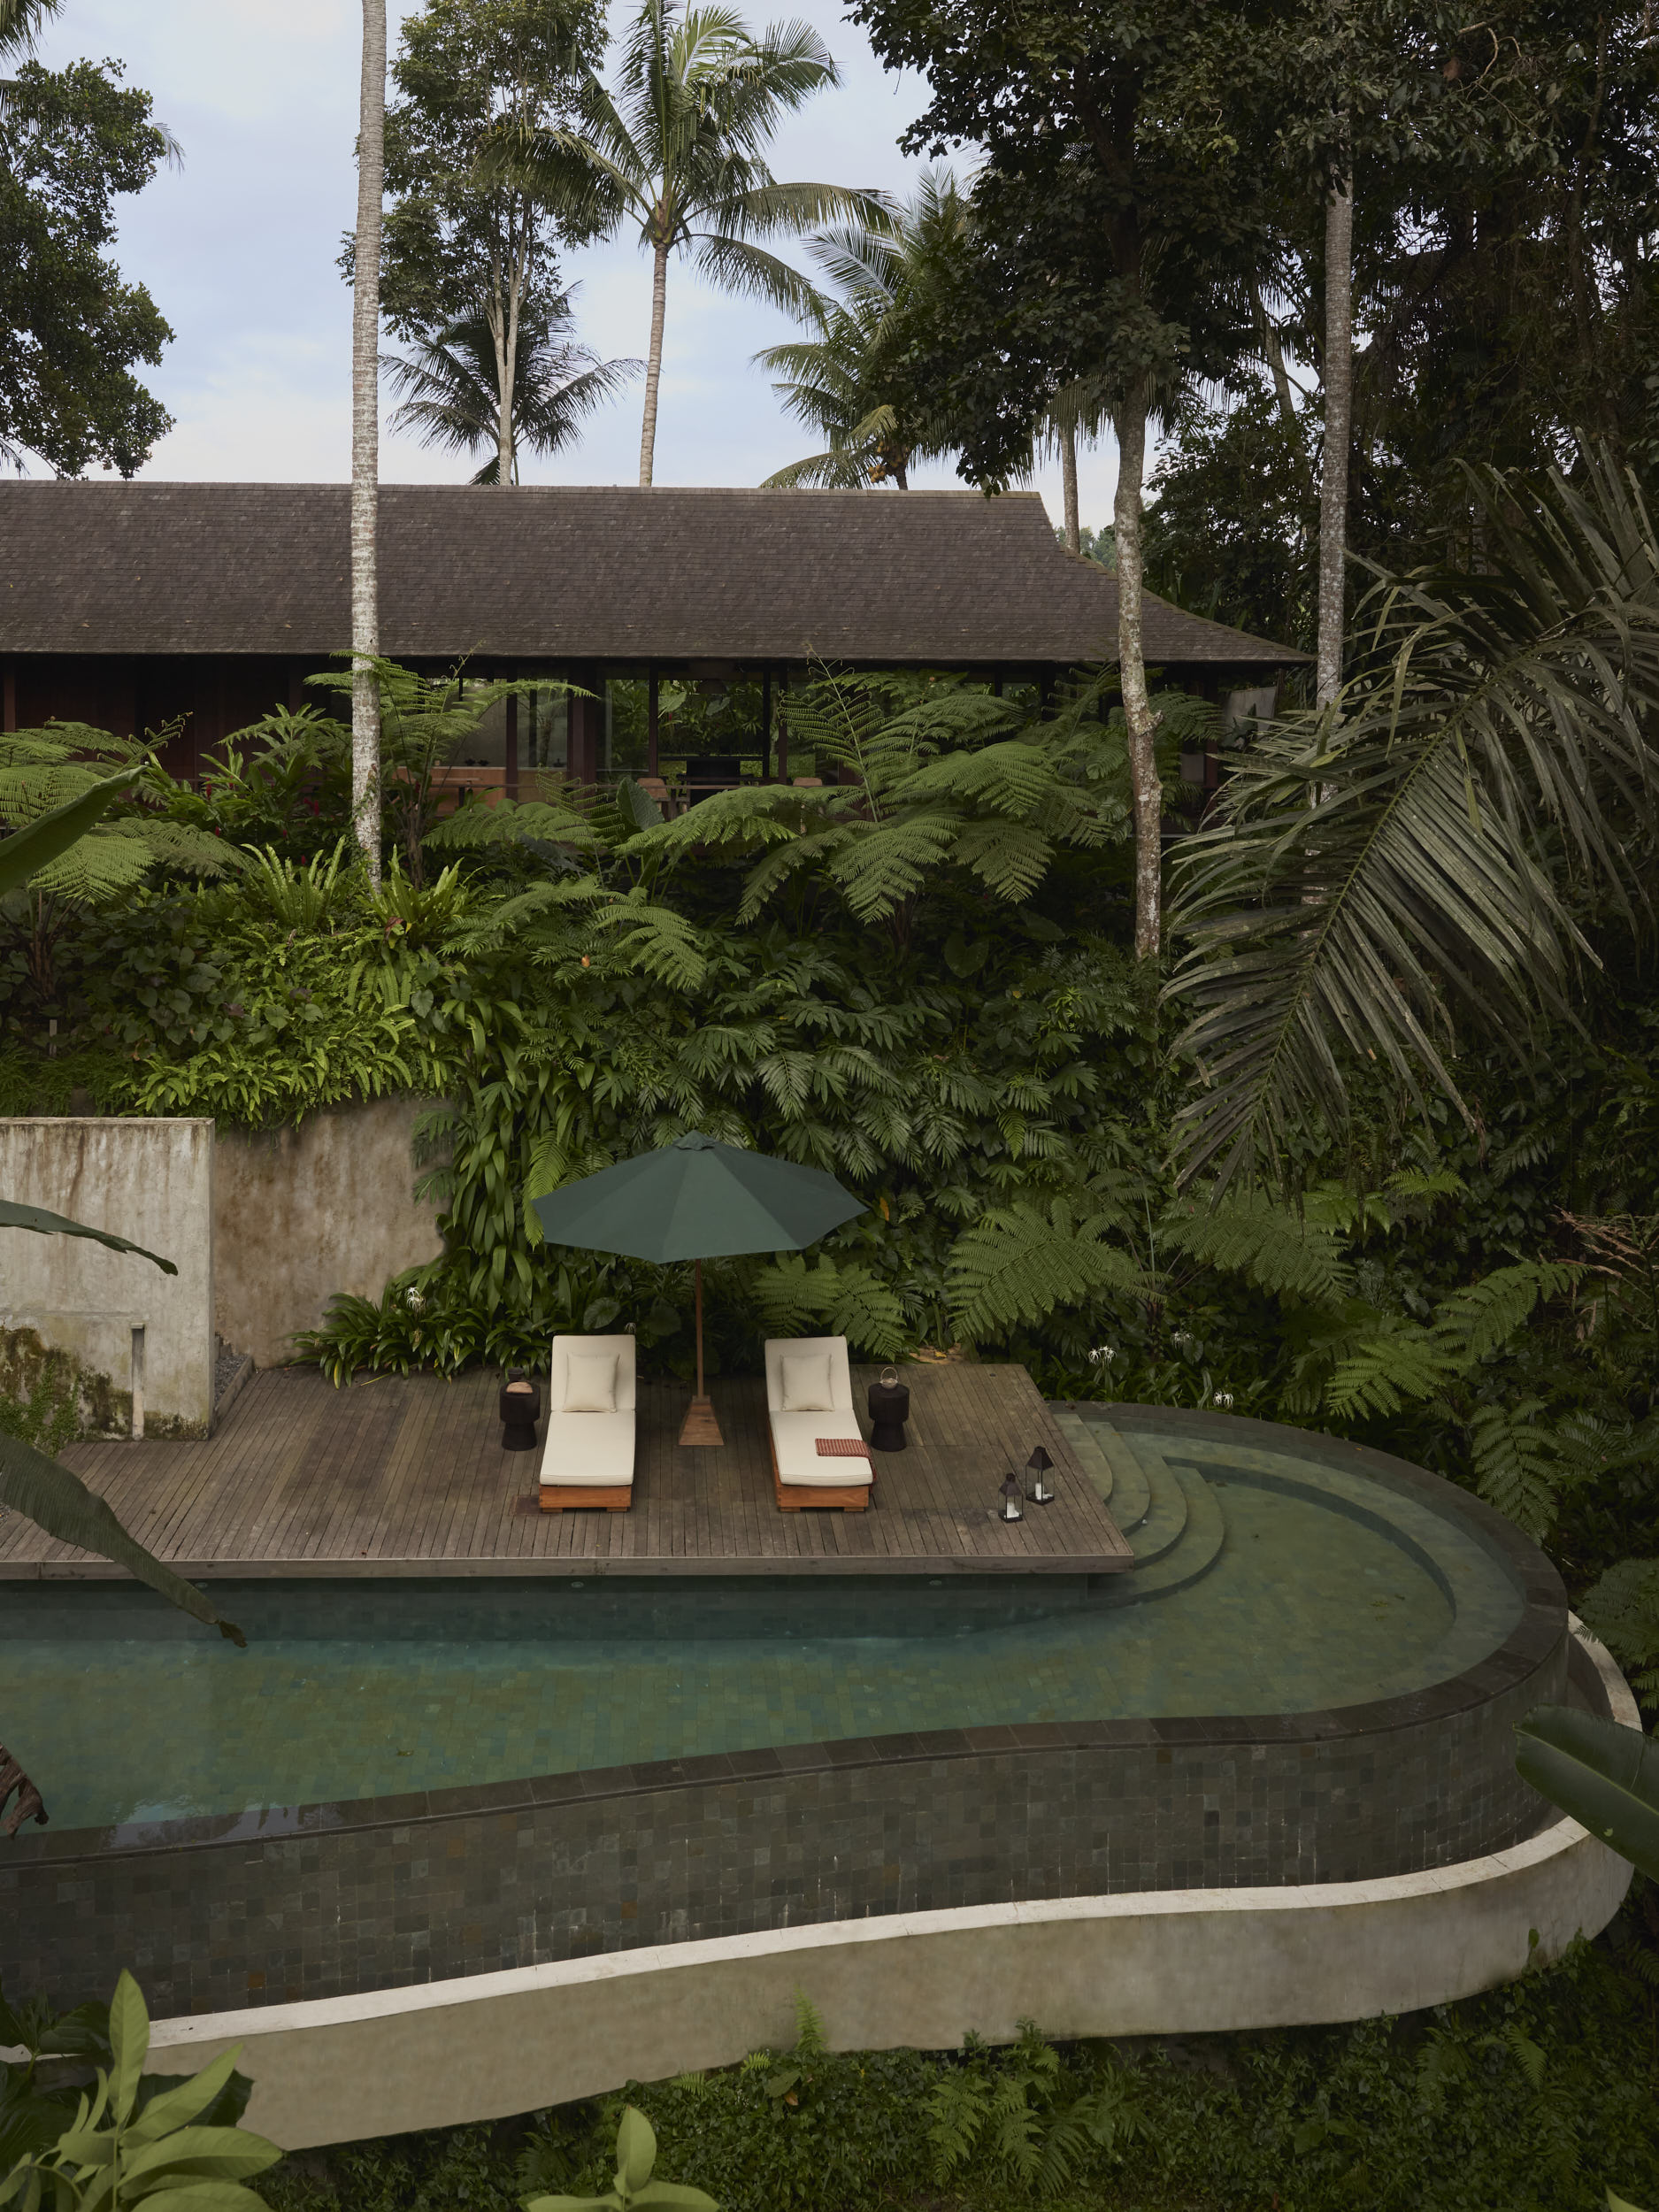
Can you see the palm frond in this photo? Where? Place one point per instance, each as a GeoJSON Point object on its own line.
{"type": "Point", "coordinates": [58, 1501]}
{"type": "Point", "coordinates": [1384, 876]}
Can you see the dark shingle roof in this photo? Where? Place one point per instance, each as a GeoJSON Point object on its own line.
{"type": "Point", "coordinates": [602, 573]}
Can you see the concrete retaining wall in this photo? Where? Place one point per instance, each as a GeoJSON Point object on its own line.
{"type": "Point", "coordinates": [152, 1181]}
{"type": "Point", "coordinates": [302, 1213]}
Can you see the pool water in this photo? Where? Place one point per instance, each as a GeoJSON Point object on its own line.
{"type": "Point", "coordinates": [123, 1711]}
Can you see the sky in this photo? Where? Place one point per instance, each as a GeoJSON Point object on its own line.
{"type": "Point", "coordinates": [238, 246]}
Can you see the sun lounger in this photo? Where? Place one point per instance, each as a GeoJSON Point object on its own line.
{"type": "Point", "coordinates": [809, 1396]}
{"type": "Point", "coordinates": [587, 1459]}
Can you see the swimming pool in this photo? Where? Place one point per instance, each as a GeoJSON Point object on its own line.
{"type": "Point", "coordinates": [1328, 1592]}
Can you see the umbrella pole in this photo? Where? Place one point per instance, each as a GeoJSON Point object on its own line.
{"type": "Point", "coordinates": [700, 1426]}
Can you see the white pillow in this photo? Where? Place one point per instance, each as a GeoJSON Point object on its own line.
{"type": "Point", "coordinates": [806, 1383]}
{"type": "Point", "coordinates": [590, 1382]}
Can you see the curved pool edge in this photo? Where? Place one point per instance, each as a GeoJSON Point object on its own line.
{"type": "Point", "coordinates": [1168, 1962]}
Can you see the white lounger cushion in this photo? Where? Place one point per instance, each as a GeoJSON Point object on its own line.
{"type": "Point", "coordinates": [794, 1440]}
{"type": "Point", "coordinates": [590, 1450]}
{"type": "Point", "coordinates": [794, 1435]}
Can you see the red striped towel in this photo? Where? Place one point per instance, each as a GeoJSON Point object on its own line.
{"type": "Point", "coordinates": [842, 1447]}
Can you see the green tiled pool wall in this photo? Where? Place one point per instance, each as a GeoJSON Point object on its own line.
{"type": "Point", "coordinates": [384, 1892]}
{"type": "Point", "coordinates": [555, 1609]}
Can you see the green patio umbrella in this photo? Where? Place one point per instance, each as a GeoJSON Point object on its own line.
{"type": "Point", "coordinates": [696, 1199]}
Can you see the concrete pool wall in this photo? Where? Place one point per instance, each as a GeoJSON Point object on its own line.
{"type": "Point", "coordinates": [331, 1900]}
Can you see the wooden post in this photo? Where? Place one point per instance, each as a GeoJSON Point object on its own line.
{"type": "Point", "coordinates": [651, 721]}
{"type": "Point", "coordinates": [765, 722]}
{"type": "Point", "coordinates": [512, 744]}
{"type": "Point", "coordinates": [701, 1429]}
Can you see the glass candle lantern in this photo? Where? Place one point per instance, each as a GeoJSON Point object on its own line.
{"type": "Point", "coordinates": [1011, 1508]}
{"type": "Point", "coordinates": [1039, 1478]}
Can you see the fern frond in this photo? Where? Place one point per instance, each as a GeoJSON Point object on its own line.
{"type": "Point", "coordinates": [1397, 1366]}
{"type": "Point", "coordinates": [1622, 1609]}
{"type": "Point", "coordinates": [1483, 1315]}
{"type": "Point", "coordinates": [1514, 1466]}
{"type": "Point", "coordinates": [851, 1299]}
{"type": "Point", "coordinates": [1279, 1251]}
{"type": "Point", "coordinates": [1018, 1263]}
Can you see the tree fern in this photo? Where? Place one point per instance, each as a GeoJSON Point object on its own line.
{"type": "Point", "coordinates": [846, 1298]}
{"type": "Point", "coordinates": [1278, 1250]}
{"type": "Point", "coordinates": [1516, 1466]}
{"type": "Point", "coordinates": [1622, 1609]}
{"type": "Point", "coordinates": [1019, 1262]}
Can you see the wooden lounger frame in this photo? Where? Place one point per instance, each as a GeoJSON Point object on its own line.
{"type": "Point", "coordinates": [797, 1497]}
{"type": "Point", "coordinates": [569, 1497]}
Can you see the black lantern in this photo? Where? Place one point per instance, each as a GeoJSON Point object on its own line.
{"type": "Point", "coordinates": [1039, 1489]}
{"type": "Point", "coordinates": [520, 1410]}
{"type": "Point", "coordinates": [1011, 1508]}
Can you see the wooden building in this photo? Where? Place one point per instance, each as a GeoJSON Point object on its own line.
{"type": "Point", "coordinates": [132, 606]}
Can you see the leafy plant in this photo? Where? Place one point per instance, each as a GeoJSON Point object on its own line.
{"type": "Point", "coordinates": [125, 2147]}
{"type": "Point", "coordinates": [634, 2190]}
{"type": "Point", "coordinates": [1380, 879]}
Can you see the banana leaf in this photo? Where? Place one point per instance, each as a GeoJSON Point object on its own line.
{"type": "Point", "coordinates": [14, 1215]}
{"type": "Point", "coordinates": [55, 1498]}
{"type": "Point", "coordinates": [29, 848]}
{"type": "Point", "coordinates": [1606, 1777]}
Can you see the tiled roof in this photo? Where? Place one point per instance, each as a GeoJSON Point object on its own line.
{"type": "Point", "coordinates": [922, 577]}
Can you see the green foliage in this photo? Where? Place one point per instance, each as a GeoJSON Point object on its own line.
{"type": "Point", "coordinates": [1381, 881]}
{"type": "Point", "coordinates": [134, 2140]}
{"type": "Point", "coordinates": [633, 2186]}
{"type": "Point", "coordinates": [75, 140]}
{"type": "Point", "coordinates": [1604, 1775]}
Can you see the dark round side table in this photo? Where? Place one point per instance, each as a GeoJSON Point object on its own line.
{"type": "Point", "coordinates": [520, 1410]}
{"type": "Point", "coordinates": [889, 1410]}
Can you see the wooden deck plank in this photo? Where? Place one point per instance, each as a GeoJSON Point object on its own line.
{"type": "Point", "coordinates": [402, 1477]}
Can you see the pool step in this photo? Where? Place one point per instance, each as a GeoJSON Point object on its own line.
{"type": "Point", "coordinates": [1171, 1515]}
{"type": "Point", "coordinates": [1085, 1450]}
{"type": "Point", "coordinates": [1199, 1546]}
{"type": "Point", "coordinates": [1164, 1523]}
{"type": "Point", "coordinates": [1130, 1496]}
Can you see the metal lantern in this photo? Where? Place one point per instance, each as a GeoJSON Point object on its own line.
{"type": "Point", "coordinates": [1039, 1489]}
{"type": "Point", "coordinates": [1011, 1508]}
{"type": "Point", "coordinates": [889, 1378]}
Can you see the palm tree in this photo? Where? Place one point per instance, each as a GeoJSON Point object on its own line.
{"type": "Point", "coordinates": [366, 440]}
{"type": "Point", "coordinates": [841, 382]}
{"type": "Point", "coordinates": [452, 398]}
{"type": "Point", "coordinates": [678, 149]}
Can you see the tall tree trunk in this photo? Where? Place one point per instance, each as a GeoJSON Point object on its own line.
{"type": "Point", "coordinates": [1068, 483]}
{"type": "Point", "coordinates": [1129, 419]}
{"type": "Point", "coordinates": [653, 363]}
{"type": "Point", "coordinates": [365, 443]}
{"type": "Point", "coordinates": [1339, 422]}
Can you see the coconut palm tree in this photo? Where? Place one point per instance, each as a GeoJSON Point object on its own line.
{"type": "Point", "coordinates": [366, 442]}
{"type": "Point", "coordinates": [841, 382]}
{"type": "Point", "coordinates": [451, 393]}
{"type": "Point", "coordinates": [678, 149]}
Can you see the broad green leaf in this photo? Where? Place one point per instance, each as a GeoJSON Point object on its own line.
{"type": "Point", "coordinates": [671, 2196]}
{"type": "Point", "coordinates": [636, 2151]}
{"type": "Point", "coordinates": [203, 2196]}
{"type": "Point", "coordinates": [206, 2154]}
{"type": "Point", "coordinates": [129, 2040]}
{"type": "Point", "coordinates": [177, 2108]}
{"type": "Point", "coordinates": [611, 2203]}
{"type": "Point", "coordinates": [55, 1498]}
{"type": "Point", "coordinates": [14, 1215]}
{"type": "Point", "coordinates": [1606, 1777]}
{"type": "Point", "coordinates": [1618, 2204]}
{"type": "Point", "coordinates": [30, 849]}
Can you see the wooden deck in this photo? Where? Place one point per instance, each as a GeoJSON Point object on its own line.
{"type": "Point", "coordinates": [408, 1477]}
